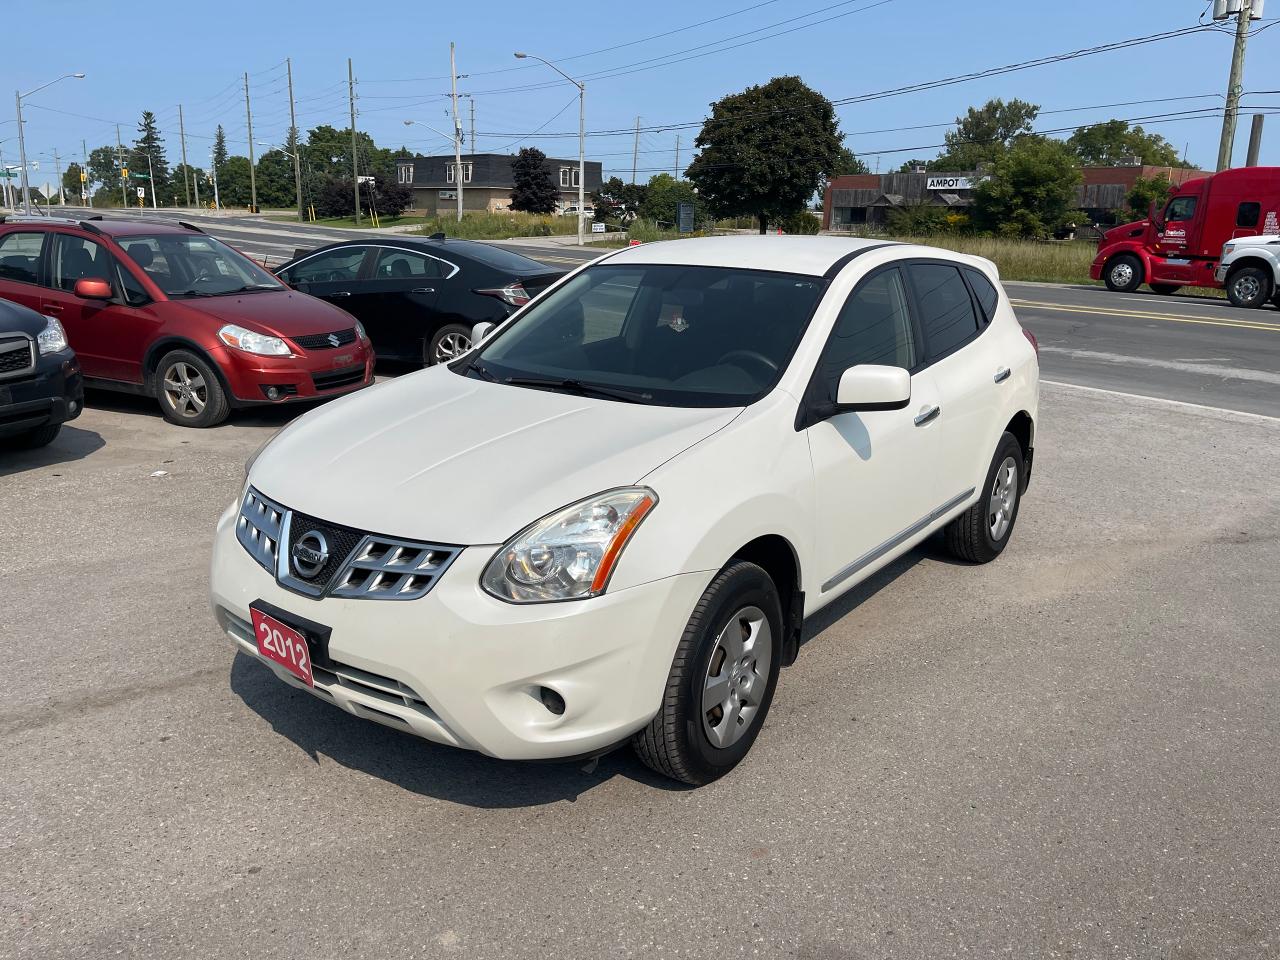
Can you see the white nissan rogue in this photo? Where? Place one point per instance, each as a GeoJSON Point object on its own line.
{"type": "Point", "coordinates": [609, 520]}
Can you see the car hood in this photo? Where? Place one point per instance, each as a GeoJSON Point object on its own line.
{"type": "Point", "coordinates": [283, 313]}
{"type": "Point", "coordinates": [1258, 241]}
{"type": "Point", "coordinates": [440, 457]}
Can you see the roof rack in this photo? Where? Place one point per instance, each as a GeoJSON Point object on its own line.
{"type": "Point", "coordinates": [34, 218]}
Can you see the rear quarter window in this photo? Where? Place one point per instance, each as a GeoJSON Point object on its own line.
{"type": "Point", "coordinates": [20, 255]}
{"type": "Point", "coordinates": [985, 291]}
{"type": "Point", "coordinates": [946, 309]}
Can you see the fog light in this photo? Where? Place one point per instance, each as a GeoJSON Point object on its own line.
{"type": "Point", "coordinates": [273, 393]}
{"type": "Point", "coordinates": [551, 700]}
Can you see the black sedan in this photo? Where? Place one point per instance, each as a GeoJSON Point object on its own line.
{"type": "Point", "coordinates": [419, 297]}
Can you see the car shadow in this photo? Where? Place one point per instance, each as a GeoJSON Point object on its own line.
{"type": "Point", "coordinates": [72, 443]}
{"type": "Point", "coordinates": [267, 415]}
{"type": "Point", "coordinates": [417, 765]}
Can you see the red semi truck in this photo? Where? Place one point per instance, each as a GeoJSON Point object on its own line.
{"type": "Point", "coordinates": [1180, 245]}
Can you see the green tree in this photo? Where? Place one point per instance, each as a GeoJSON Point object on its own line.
{"type": "Point", "coordinates": [663, 196]}
{"type": "Point", "coordinates": [764, 152]}
{"type": "Point", "coordinates": [1032, 190]}
{"type": "Point", "coordinates": [1106, 144]}
{"type": "Point", "coordinates": [233, 182]}
{"type": "Point", "coordinates": [71, 184]}
{"type": "Point", "coordinates": [275, 180]}
{"type": "Point", "coordinates": [532, 190]}
{"type": "Point", "coordinates": [848, 164]}
{"type": "Point", "coordinates": [181, 172]}
{"type": "Point", "coordinates": [104, 171]}
{"type": "Point", "coordinates": [219, 148]}
{"type": "Point", "coordinates": [1146, 191]}
{"type": "Point", "coordinates": [148, 156]}
{"type": "Point", "coordinates": [985, 133]}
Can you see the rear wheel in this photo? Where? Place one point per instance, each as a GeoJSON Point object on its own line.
{"type": "Point", "coordinates": [1164, 289]}
{"type": "Point", "coordinates": [189, 390]}
{"type": "Point", "coordinates": [1249, 287]}
{"type": "Point", "coordinates": [39, 437]}
{"type": "Point", "coordinates": [721, 681]}
{"type": "Point", "coordinates": [1123, 273]}
{"type": "Point", "coordinates": [980, 534]}
{"type": "Point", "coordinates": [450, 342]}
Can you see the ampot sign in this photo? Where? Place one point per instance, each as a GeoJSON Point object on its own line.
{"type": "Point", "coordinates": [949, 183]}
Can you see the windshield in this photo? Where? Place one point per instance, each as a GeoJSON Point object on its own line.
{"type": "Point", "coordinates": [195, 265]}
{"type": "Point", "coordinates": [663, 334]}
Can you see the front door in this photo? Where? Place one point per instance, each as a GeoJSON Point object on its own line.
{"type": "Point", "coordinates": [334, 276]}
{"type": "Point", "coordinates": [875, 472]}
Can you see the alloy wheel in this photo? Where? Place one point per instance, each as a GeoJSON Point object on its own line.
{"type": "Point", "coordinates": [451, 346]}
{"type": "Point", "coordinates": [185, 390]}
{"type": "Point", "coordinates": [737, 677]}
{"type": "Point", "coordinates": [1246, 288]}
{"type": "Point", "coordinates": [1004, 497]}
{"type": "Point", "coordinates": [1122, 274]}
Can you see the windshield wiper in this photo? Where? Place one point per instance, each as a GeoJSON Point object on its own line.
{"type": "Point", "coordinates": [577, 386]}
{"type": "Point", "coordinates": [248, 288]}
{"type": "Point", "coordinates": [481, 371]}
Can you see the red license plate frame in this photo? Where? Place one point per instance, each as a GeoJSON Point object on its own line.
{"type": "Point", "coordinates": [282, 644]}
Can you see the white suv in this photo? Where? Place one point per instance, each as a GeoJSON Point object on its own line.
{"type": "Point", "coordinates": [610, 519]}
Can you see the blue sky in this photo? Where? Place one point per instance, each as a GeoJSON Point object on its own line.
{"type": "Point", "coordinates": [143, 57]}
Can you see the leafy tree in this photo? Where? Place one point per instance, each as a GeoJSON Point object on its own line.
{"type": "Point", "coordinates": [764, 152]}
{"type": "Point", "coordinates": [616, 200]}
{"type": "Point", "coordinates": [233, 182]}
{"type": "Point", "coordinates": [985, 133]}
{"type": "Point", "coordinates": [150, 147]}
{"type": "Point", "coordinates": [389, 198]}
{"type": "Point", "coordinates": [181, 172]}
{"type": "Point", "coordinates": [275, 180]}
{"type": "Point", "coordinates": [1031, 191]}
{"type": "Point", "coordinates": [848, 164]}
{"type": "Point", "coordinates": [71, 184]}
{"type": "Point", "coordinates": [662, 197]}
{"type": "Point", "coordinates": [1106, 144]}
{"type": "Point", "coordinates": [219, 148]}
{"type": "Point", "coordinates": [104, 171]}
{"type": "Point", "coordinates": [533, 190]}
{"type": "Point", "coordinates": [1147, 190]}
{"type": "Point", "coordinates": [918, 220]}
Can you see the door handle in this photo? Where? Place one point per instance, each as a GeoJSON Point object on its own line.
{"type": "Point", "coordinates": [341, 293]}
{"type": "Point", "coordinates": [423, 290]}
{"type": "Point", "coordinates": [1002, 375]}
{"type": "Point", "coordinates": [924, 416]}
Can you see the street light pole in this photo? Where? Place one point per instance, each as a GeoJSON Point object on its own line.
{"type": "Point", "coordinates": [22, 142]}
{"type": "Point", "coordinates": [457, 132]}
{"type": "Point", "coordinates": [582, 141]}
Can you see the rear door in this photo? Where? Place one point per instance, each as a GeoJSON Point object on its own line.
{"type": "Point", "coordinates": [404, 292]}
{"type": "Point", "coordinates": [21, 266]}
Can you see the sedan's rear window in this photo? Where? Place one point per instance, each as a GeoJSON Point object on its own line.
{"type": "Point", "coordinates": [495, 257]}
{"type": "Point", "coordinates": [660, 333]}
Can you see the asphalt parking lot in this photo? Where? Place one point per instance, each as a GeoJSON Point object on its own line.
{"type": "Point", "coordinates": [1068, 753]}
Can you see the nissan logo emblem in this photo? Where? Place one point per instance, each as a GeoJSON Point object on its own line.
{"type": "Point", "coordinates": [310, 553]}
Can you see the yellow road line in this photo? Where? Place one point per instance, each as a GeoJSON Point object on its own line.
{"type": "Point", "coordinates": [1146, 315]}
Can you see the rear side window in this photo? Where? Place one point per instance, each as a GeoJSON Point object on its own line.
{"type": "Point", "coordinates": [874, 326]}
{"type": "Point", "coordinates": [406, 265]}
{"type": "Point", "coordinates": [1248, 214]}
{"type": "Point", "coordinates": [20, 256]}
{"type": "Point", "coordinates": [984, 290]}
{"type": "Point", "coordinates": [946, 309]}
{"type": "Point", "coordinates": [334, 266]}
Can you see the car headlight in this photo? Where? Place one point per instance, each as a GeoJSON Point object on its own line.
{"type": "Point", "coordinates": [569, 554]}
{"type": "Point", "coordinates": [52, 338]}
{"type": "Point", "coordinates": [360, 334]}
{"type": "Point", "coordinates": [251, 342]}
{"type": "Point", "coordinates": [1229, 249]}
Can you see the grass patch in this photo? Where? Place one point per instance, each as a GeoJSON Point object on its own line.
{"type": "Point", "coordinates": [365, 222]}
{"type": "Point", "coordinates": [1064, 261]}
{"type": "Point", "coordinates": [501, 226]}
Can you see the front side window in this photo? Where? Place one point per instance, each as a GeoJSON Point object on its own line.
{"type": "Point", "coordinates": [658, 333]}
{"type": "Point", "coordinates": [77, 258]}
{"type": "Point", "coordinates": [332, 266]}
{"type": "Point", "coordinates": [405, 265]}
{"type": "Point", "coordinates": [20, 256]}
{"type": "Point", "coordinates": [195, 265]}
{"type": "Point", "coordinates": [874, 326]}
{"type": "Point", "coordinates": [946, 309]}
{"type": "Point", "coordinates": [1179, 209]}
{"type": "Point", "coordinates": [1248, 214]}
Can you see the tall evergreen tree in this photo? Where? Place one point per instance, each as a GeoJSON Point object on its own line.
{"type": "Point", "coordinates": [150, 146]}
{"type": "Point", "coordinates": [219, 148]}
{"type": "Point", "coordinates": [532, 189]}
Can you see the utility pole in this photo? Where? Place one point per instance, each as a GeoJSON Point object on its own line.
{"type": "Point", "coordinates": [213, 167]}
{"type": "Point", "coordinates": [293, 126]}
{"type": "Point", "coordinates": [186, 185]}
{"type": "Point", "coordinates": [457, 131]}
{"type": "Point", "coordinates": [1234, 88]}
{"type": "Point", "coordinates": [195, 182]}
{"type": "Point", "coordinates": [151, 178]}
{"type": "Point", "coordinates": [22, 157]}
{"type": "Point", "coordinates": [253, 180]}
{"type": "Point", "coordinates": [57, 172]}
{"type": "Point", "coordinates": [355, 170]}
{"type": "Point", "coordinates": [635, 151]}
{"type": "Point", "coordinates": [124, 197]}
{"type": "Point", "coordinates": [473, 124]}
{"type": "Point", "coordinates": [1255, 141]}
{"type": "Point", "coordinates": [677, 156]}
{"type": "Point", "coordinates": [84, 174]}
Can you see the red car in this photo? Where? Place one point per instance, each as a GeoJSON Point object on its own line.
{"type": "Point", "coordinates": [165, 310]}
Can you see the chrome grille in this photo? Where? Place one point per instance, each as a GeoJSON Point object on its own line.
{"type": "Point", "coordinates": [258, 528]}
{"type": "Point", "coordinates": [361, 566]}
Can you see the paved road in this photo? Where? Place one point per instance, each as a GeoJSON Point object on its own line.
{"type": "Point", "coordinates": [1068, 753]}
{"type": "Point", "coordinates": [1187, 348]}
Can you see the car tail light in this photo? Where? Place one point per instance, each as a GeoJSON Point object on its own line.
{"type": "Point", "coordinates": [513, 294]}
{"type": "Point", "coordinates": [1031, 339]}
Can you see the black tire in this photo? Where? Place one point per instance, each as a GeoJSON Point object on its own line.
{"type": "Point", "coordinates": [1249, 287]}
{"type": "Point", "coordinates": [676, 742]}
{"type": "Point", "coordinates": [1166, 289]}
{"type": "Point", "coordinates": [1118, 278]}
{"type": "Point", "coordinates": [447, 344]}
{"type": "Point", "coordinates": [34, 439]}
{"type": "Point", "coordinates": [205, 403]}
{"type": "Point", "coordinates": [971, 536]}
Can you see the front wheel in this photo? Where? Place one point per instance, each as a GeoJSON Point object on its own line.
{"type": "Point", "coordinates": [450, 342]}
{"type": "Point", "coordinates": [34, 439]}
{"type": "Point", "coordinates": [1249, 287]}
{"type": "Point", "coordinates": [981, 533]}
{"type": "Point", "coordinates": [721, 681]}
{"type": "Point", "coordinates": [189, 391]}
{"type": "Point", "coordinates": [1123, 274]}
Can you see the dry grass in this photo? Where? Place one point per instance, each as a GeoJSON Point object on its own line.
{"type": "Point", "coordinates": [501, 226]}
{"type": "Point", "coordinates": [1065, 261]}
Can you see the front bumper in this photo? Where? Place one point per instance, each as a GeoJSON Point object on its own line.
{"type": "Point", "coordinates": [54, 393]}
{"type": "Point", "coordinates": [1220, 275]}
{"type": "Point", "coordinates": [462, 668]}
{"type": "Point", "coordinates": [311, 376]}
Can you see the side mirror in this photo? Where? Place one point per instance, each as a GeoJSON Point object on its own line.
{"type": "Point", "coordinates": [480, 331]}
{"type": "Point", "coordinates": [92, 288]}
{"type": "Point", "coordinates": [873, 387]}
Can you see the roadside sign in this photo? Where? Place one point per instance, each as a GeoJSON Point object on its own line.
{"type": "Point", "coordinates": [142, 192]}
{"type": "Point", "coordinates": [684, 218]}
{"type": "Point", "coordinates": [140, 176]}
{"type": "Point", "coordinates": [634, 243]}
{"type": "Point", "coordinates": [597, 228]}
{"type": "Point", "coordinates": [124, 173]}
